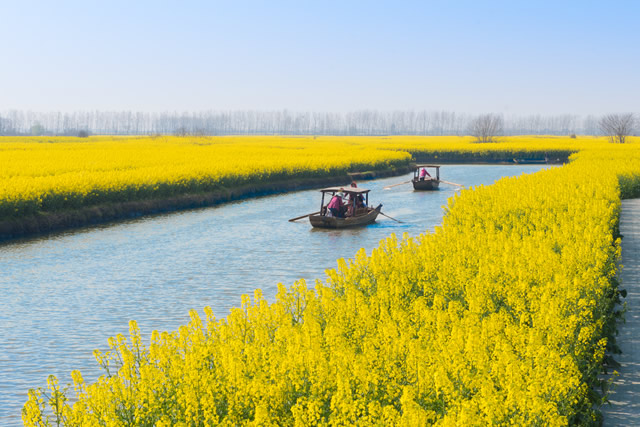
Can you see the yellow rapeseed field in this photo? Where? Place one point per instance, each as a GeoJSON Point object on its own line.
{"type": "Point", "coordinates": [500, 316]}
{"type": "Point", "coordinates": [47, 174]}
{"type": "Point", "coordinates": [52, 174]}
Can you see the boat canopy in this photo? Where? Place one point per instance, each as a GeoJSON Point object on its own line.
{"type": "Point", "coordinates": [427, 166]}
{"type": "Point", "coordinates": [347, 190]}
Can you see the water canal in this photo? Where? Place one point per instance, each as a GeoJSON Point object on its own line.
{"type": "Point", "coordinates": [63, 295]}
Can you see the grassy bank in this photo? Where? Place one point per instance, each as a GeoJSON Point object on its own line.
{"type": "Point", "coordinates": [39, 176]}
{"type": "Point", "coordinates": [47, 222]}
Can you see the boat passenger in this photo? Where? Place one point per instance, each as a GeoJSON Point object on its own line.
{"type": "Point", "coordinates": [335, 206]}
{"type": "Point", "coordinates": [424, 174]}
{"type": "Point", "coordinates": [359, 200]}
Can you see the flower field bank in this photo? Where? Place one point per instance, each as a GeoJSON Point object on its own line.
{"type": "Point", "coordinates": [500, 316]}
{"type": "Point", "coordinates": [463, 149]}
{"type": "Point", "coordinates": [53, 174]}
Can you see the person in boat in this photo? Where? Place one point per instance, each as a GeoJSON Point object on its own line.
{"type": "Point", "coordinates": [424, 174]}
{"type": "Point", "coordinates": [335, 206]}
{"type": "Point", "coordinates": [359, 200]}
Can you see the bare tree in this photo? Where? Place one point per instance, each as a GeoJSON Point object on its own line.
{"type": "Point", "coordinates": [181, 131]}
{"type": "Point", "coordinates": [363, 122]}
{"type": "Point", "coordinates": [617, 126]}
{"type": "Point", "coordinates": [486, 127]}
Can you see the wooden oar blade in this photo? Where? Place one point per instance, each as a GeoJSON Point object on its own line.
{"type": "Point", "coordinates": [396, 220]}
{"type": "Point", "coordinates": [303, 216]}
{"type": "Point", "coordinates": [393, 185]}
{"type": "Point", "coordinates": [451, 183]}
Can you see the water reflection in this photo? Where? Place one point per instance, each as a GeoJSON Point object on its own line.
{"type": "Point", "coordinates": [65, 294]}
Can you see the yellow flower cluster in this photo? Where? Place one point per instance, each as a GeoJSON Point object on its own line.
{"type": "Point", "coordinates": [500, 316]}
{"type": "Point", "coordinates": [42, 175]}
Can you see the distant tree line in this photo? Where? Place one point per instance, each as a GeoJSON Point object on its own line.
{"type": "Point", "coordinates": [365, 122]}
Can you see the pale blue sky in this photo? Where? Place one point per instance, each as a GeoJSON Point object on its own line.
{"type": "Point", "coordinates": [546, 57]}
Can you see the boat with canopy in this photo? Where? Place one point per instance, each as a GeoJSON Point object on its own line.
{"type": "Point", "coordinates": [350, 209]}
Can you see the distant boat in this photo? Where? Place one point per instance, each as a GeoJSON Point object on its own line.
{"type": "Point", "coordinates": [428, 180]}
{"type": "Point", "coordinates": [356, 209]}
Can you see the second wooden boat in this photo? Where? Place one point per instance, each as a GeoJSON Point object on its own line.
{"type": "Point", "coordinates": [423, 180]}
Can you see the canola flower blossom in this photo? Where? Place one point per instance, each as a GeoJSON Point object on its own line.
{"type": "Point", "coordinates": [500, 316]}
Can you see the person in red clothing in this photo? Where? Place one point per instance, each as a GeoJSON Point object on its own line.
{"type": "Point", "coordinates": [336, 206]}
{"type": "Point", "coordinates": [424, 174]}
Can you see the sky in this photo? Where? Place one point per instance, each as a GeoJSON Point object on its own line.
{"type": "Point", "coordinates": [510, 57]}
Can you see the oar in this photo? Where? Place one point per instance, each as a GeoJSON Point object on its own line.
{"type": "Point", "coordinates": [303, 216]}
{"type": "Point", "coordinates": [391, 218]}
{"type": "Point", "coordinates": [400, 183]}
{"type": "Point", "coordinates": [452, 183]}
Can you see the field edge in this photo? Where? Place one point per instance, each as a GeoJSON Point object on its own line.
{"type": "Point", "coordinates": [49, 222]}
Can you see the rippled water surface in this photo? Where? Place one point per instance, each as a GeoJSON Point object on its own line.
{"type": "Point", "coordinates": [63, 295]}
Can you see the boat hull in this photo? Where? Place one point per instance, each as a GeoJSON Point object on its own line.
{"type": "Point", "coordinates": [426, 185]}
{"type": "Point", "coordinates": [322, 221]}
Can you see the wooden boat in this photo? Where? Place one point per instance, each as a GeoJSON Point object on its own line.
{"type": "Point", "coordinates": [426, 183]}
{"type": "Point", "coordinates": [356, 216]}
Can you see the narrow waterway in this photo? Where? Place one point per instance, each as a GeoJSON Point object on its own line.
{"type": "Point", "coordinates": [63, 295]}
